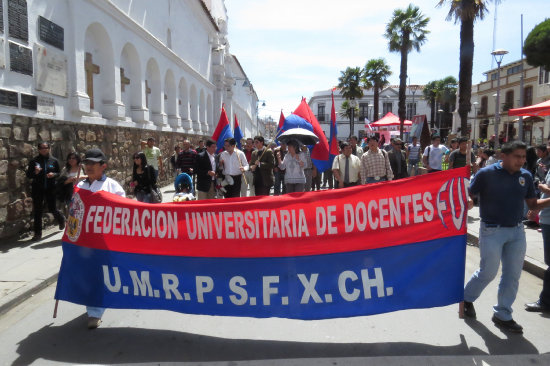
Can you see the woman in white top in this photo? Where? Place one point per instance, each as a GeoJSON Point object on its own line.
{"type": "Point", "coordinates": [69, 177]}
{"type": "Point", "coordinates": [293, 164]}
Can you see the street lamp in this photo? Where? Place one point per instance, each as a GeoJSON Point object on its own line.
{"type": "Point", "coordinates": [439, 111]}
{"type": "Point", "coordinates": [498, 55]}
{"type": "Point", "coordinates": [352, 104]}
{"type": "Point", "coordinates": [475, 120]}
{"type": "Point", "coordinates": [257, 112]}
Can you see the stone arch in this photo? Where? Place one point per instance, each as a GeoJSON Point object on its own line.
{"type": "Point", "coordinates": [170, 98]}
{"type": "Point", "coordinates": [194, 107]}
{"type": "Point", "coordinates": [153, 92]}
{"type": "Point", "coordinates": [210, 113]}
{"type": "Point", "coordinates": [99, 67]}
{"type": "Point", "coordinates": [202, 112]}
{"type": "Point", "coordinates": [183, 103]}
{"type": "Point", "coordinates": [130, 79]}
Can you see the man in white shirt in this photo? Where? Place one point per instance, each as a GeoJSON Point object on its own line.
{"type": "Point", "coordinates": [233, 162]}
{"type": "Point", "coordinates": [94, 166]}
{"type": "Point", "coordinates": [355, 149]}
{"type": "Point", "coordinates": [347, 167]}
{"type": "Point", "coordinates": [433, 155]}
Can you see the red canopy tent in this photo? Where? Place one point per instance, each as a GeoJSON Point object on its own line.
{"type": "Point", "coordinates": [541, 109]}
{"type": "Point", "coordinates": [389, 119]}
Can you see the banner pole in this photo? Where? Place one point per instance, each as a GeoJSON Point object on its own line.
{"type": "Point", "coordinates": [469, 164]}
{"type": "Point", "coordinates": [55, 309]}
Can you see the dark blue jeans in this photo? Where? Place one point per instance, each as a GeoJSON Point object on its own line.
{"type": "Point", "coordinates": [545, 294]}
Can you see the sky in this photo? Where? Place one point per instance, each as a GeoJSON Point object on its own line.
{"type": "Point", "coordinates": [292, 48]}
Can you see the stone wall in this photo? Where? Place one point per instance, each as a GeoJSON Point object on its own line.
{"type": "Point", "coordinates": [18, 144]}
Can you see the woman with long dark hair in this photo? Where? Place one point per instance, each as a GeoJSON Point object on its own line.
{"type": "Point", "coordinates": [69, 177]}
{"type": "Point", "coordinates": [143, 178]}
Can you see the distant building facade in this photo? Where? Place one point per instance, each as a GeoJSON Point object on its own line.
{"type": "Point", "coordinates": [536, 89]}
{"type": "Point", "coordinates": [321, 104]}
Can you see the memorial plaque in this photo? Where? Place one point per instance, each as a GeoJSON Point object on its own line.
{"type": "Point", "coordinates": [20, 59]}
{"type": "Point", "coordinates": [8, 98]}
{"type": "Point", "coordinates": [29, 102]}
{"type": "Point", "coordinates": [1, 16]}
{"type": "Point", "coordinates": [51, 33]}
{"type": "Point", "coordinates": [2, 55]}
{"type": "Point", "coordinates": [51, 70]}
{"type": "Point", "coordinates": [46, 105]}
{"type": "Point", "coordinates": [17, 19]}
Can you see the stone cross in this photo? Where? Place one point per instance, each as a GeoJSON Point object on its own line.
{"type": "Point", "coordinates": [147, 92]}
{"type": "Point", "coordinates": [91, 69]}
{"type": "Point", "coordinates": [123, 80]}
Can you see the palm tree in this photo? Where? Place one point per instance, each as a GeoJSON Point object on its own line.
{"type": "Point", "coordinates": [466, 11]}
{"type": "Point", "coordinates": [375, 76]}
{"type": "Point", "coordinates": [430, 94]}
{"type": "Point", "coordinates": [446, 96]}
{"type": "Point", "coordinates": [350, 88]}
{"type": "Point", "coordinates": [345, 110]}
{"type": "Point", "coordinates": [405, 31]}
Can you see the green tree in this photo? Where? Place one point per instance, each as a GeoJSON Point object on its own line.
{"type": "Point", "coordinates": [405, 31]}
{"type": "Point", "coordinates": [430, 94]}
{"type": "Point", "coordinates": [537, 45]}
{"type": "Point", "coordinates": [345, 110]}
{"type": "Point", "coordinates": [375, 76]}
{"type": "Point", "coordinates": [350, 88]}
{"type": "Point", "coordinates": [446, 97]}
{"type": "Point", "coordinates": [466, 11]}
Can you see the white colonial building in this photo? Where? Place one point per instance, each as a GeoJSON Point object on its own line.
{"type": "Point", "coordinates": [536, 89]}
{"type": "Point", "coordinates": [160, 65]}
{"type": "Point", "coordinates": [321, 104]}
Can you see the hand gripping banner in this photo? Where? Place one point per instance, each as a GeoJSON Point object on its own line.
{"type": "Point", "coordinates": [357, 251]}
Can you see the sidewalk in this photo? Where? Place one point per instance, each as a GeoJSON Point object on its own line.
{"type": "Point", "coordinates": [28, 267]}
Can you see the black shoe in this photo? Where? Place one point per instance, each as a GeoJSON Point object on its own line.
{"type": "Point", "coordinates": [469, 310]}
{"type": "Point", "coordinates": [36, 237]}
{"type": "Point", "coordinates": [62, 224]}
{"type": "Point", "coordinates": [509, 325]}
{"type": "Point", "coordinates": [537, 307]}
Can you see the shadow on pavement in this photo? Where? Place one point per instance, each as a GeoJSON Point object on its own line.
{"type": "Point", "coordinates": [513, 344]}
{"type": "Point", "coordinates": [72, 343]}
{"type": "Point", "coordinates": [22, 243]}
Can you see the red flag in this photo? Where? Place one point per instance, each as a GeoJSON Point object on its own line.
{"type": "Point", "coordinates": [223, 130]}
{"type": "Point", "coordinates": [320, 151]}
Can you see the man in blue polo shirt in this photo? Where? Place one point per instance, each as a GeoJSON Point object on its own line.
{"type": "Point", "coordinates": [502, 189]}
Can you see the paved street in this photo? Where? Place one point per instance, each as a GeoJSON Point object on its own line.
{"type": "Point", "coordinates": [29, 334]}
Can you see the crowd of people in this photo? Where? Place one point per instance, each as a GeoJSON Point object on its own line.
{"type": "Point", "coordinates": [514, 185]}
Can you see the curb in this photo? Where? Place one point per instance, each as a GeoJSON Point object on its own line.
{"type": "Point", "coordinates": [25, 294]}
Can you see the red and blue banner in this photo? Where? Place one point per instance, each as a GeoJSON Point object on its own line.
{"type": "Point", "coordinates": [356, 251]}
{"type": "Point", "coordinates": [222, 131]}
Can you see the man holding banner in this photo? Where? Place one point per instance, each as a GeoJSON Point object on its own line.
{"type": "Point", "coordinates": [94, 166]}
{"type": "Point", "coordinates": [502, 190]}
{"type": "Point", "coordinates": [233, 161]}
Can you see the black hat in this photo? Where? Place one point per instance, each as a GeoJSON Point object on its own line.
{"type": "Point", "coordinates": [94, 155]}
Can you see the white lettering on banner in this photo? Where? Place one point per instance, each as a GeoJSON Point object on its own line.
{"type": "Point", "coordinates": [283, 223]}
{"type": "Point", "coordinates": [145, 223]}
{"type": "Point", "coordinates": [350, 286]}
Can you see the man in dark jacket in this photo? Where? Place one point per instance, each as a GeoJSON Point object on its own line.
{"type": "Point", "coordinates": [43, 171]}
{"type": "Point", "coordinates": [398, 159]}
{"type": "Point", "coordinates": [262, 163]}
{"type": "Point", "coordinates": [205, 168]}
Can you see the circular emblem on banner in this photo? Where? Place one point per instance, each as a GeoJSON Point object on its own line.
{"type": "Point", "coordinates": [76, 215]}
{"type": "Point", "coordinates": [522, 181]}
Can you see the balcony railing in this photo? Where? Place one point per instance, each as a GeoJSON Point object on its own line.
{"type": "Point", "coordinates": [323, 117]}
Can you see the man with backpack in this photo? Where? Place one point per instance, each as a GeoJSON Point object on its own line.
{"type": "Point", "coordinates": [433, 155]}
